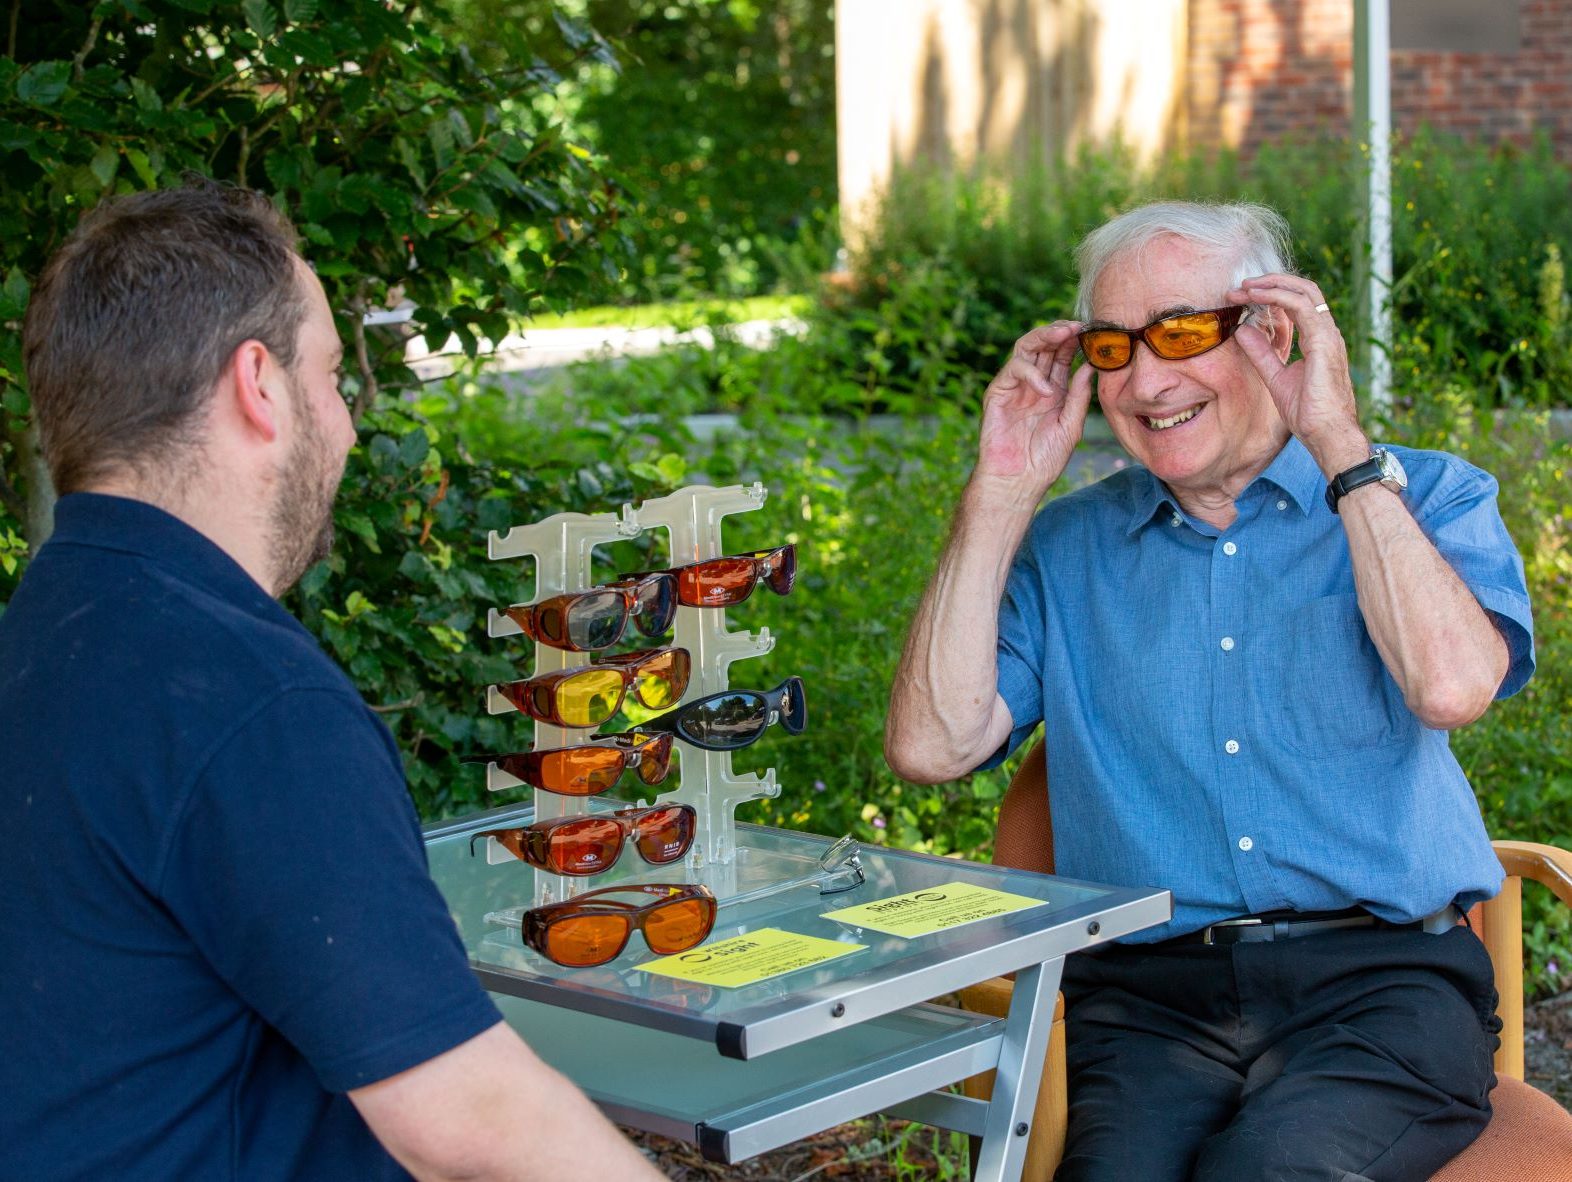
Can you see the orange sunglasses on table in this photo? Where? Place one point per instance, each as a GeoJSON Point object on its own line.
{"type": "Point", "coordinates": [581, 846]}
{"type": "Point", "coordinates": [590, 694]}
{"type": "Point", "coordinates": [724, 582]}
{"type": "Point", "coordinates": [587, 769]}
{"type": "Point", "coordinates": [594, 928]}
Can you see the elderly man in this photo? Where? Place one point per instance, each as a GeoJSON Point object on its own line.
{"type": "Point", "coordinates": [1246, 650]}
{"type": "Point", "coordinates": [223, 956]}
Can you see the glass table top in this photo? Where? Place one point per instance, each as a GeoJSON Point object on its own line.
{"type": "Point", "coordinates": [486, 896]}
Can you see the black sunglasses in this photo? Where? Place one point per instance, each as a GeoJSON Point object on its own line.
{"type": "Point", "coordinates": [735, 718]}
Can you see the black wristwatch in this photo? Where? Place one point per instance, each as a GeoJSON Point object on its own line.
{"type": "Point", "coordinates": [1382, 465]}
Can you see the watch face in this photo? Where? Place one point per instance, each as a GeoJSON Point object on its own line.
{"type": "Point", "coordinates": [1392, 474]}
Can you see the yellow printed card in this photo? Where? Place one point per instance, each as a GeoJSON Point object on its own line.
{"type": "Point", "coordinates": [936, 909]}
{"type": "Point", "coordinates": [756, 956]}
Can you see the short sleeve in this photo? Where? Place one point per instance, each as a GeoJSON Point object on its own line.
{"type": "Point", "coordinates": [1461, 517]}
{"type": "Point", "coordinates": [1020, 646]}
{"type": "Point", "coordinates": [298, 870]}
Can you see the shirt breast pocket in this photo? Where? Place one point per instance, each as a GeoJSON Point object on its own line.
{"type": "Point", "coordinates": [1334, 695]}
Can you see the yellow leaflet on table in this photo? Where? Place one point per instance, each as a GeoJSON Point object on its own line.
{"type": "Point", "coordinates": [936, 909]}
{"type": "Point", "coordinates": [742, 960]}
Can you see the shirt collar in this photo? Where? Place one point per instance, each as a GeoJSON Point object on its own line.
{"type": "Point", "coordinates": [1291, 470]}
{"type": "Point", "coordinates": [136, 527]}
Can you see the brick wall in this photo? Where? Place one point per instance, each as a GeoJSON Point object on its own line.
{"type": "Point", "coordinates": [1262, 69]}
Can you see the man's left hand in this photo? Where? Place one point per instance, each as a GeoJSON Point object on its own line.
{"type": "Point", "coordinates": [1314, 394]}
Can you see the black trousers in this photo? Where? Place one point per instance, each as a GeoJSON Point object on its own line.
{"type": "Point", "coordinates": [1337, 1057]}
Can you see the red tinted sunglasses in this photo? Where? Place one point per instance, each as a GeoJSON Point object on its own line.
{"type": "Point", "coordinates": [581, 846]}
{"type": "Point", "coordinates": [723, 582]}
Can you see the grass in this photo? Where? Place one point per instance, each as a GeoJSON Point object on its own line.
{"type": "Point", "coordinates": [678, 313]}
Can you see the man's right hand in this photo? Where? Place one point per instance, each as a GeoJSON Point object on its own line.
{"type": "Point", "coordinates": [1033, 413]}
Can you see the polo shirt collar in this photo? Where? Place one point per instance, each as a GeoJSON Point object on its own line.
{"type": "Point", "coordinates": [1291, 470]}
{"type": "Point", "coordinates": [136, 527]}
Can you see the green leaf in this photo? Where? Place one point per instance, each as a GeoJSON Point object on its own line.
{"type": "Point", "coordinates": [412, 448]}
{"type": "Point", "coordinates": [142, 166]}
{"type": "Point", "coordinates": [299, 12]}
{"type": "Point", "coordinates": [309, 48]}
{"type": "Point", "coordinates": [312, 582]}
{"type": "Point", "coordinates": [13, 296]}
{"type": "Point", "coordinates": [43, 83]}
{"type": "Point", "coordinates": [360, 525]}
{"type": "Point", "coordinates": [147, 99]}
{"type": "Point", "coordinates": [105, 163]}
{"type": "Point", "coordinates": [260, 18]}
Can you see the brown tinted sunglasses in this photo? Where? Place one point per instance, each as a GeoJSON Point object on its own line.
{"type": "Point", "coordinates": [594, 927]}
{"type": "Point", "coordinates": [724, 582]}
{"type": "Point", "coordinates": [584, 621]}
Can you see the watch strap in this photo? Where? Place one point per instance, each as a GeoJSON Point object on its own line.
{"type": "Point", "coordinates": [1361, 474]}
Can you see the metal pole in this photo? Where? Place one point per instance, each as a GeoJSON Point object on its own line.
{"type": "Point", "coordinates": [1373, 254]}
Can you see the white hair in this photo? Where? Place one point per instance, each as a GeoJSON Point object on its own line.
{"type": "Point", "coordinates": [1254, 238]}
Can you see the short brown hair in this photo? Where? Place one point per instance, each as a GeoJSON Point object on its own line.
{"type": "Point", "coordinates": [135, 317]}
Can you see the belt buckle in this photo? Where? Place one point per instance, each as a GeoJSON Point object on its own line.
{"type": "Point", "coordinates": [1243, 922]}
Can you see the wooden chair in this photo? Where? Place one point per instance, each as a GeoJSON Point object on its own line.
{"type": "Point", "coordinates": [1529, 1138]}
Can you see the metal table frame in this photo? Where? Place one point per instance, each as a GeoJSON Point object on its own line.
{"type": "Point", "coordinates": [860, 1039]}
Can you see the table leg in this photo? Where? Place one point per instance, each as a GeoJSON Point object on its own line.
{"type": "Point", "coordinates": [1019, 1074]}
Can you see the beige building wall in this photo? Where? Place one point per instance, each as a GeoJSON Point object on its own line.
{"type": "Point", "coordinates": [957, 81]}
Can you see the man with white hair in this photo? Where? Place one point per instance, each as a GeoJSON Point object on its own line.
{"type": "Point", "coordinates": [1247, 650]}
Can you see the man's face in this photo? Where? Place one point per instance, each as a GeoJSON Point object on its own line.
{"type": "Point", "coordinates": [302, 519]}
{"type": "Point", "coordinates": [1205, 426]}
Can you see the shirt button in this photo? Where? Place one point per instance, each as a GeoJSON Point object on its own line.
{"type": "Point", "coordinates": [1229, 548]}
{"type": "Point", "coordinates": [1282, 504]}
{"type": "Point", "coordinates": [1232, 746]}
{"type": "Point", "coordinates": [1228, 644]}
{"type": "Point", "coordinates": [1246, 844]}
{"type": "Point", "coordinates": [1176, 520]}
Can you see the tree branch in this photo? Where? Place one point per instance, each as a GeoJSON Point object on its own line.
{"type": "Point", "coordinates": [10, 41]}
{"type": "Point", "coordinates": [367, 394]}
{"type": "Point", "coordinates": [395, 707]}
{"type": "Point", "coordinates": [87, 46]}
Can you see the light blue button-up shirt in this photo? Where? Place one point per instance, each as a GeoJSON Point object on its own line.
{"type": "Point", "coordinates": [1217, 718]}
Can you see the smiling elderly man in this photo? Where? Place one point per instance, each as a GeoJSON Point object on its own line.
{"type": "Point", "coordinates": [1247, 650]}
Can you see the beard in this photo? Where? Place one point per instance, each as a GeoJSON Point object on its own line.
{"type": "Point", "coordinates": [300, 529]}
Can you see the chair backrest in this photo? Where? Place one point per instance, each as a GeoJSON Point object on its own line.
{"type": "Point", "coordinates": [1025, 837]}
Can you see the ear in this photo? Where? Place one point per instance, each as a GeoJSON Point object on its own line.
{"type": "Point", "coordinates": [1280, 329]}
{"type": "Point", "coordinates": [258, 389]}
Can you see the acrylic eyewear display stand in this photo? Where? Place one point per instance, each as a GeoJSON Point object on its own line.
{"type": "Point", "coordinates": [562, 549]}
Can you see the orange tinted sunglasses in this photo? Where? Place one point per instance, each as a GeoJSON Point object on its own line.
{"type": "Point", "coordinates": [587, 769]}
{"type": "Point", "coordinates": [589, 695]}
{"type": "Point", "coordinates": [594, 927]}
{"type": "Point", "coordinates": [1173, 338]}
{"type": "Point", "coordinates": [723, 582]}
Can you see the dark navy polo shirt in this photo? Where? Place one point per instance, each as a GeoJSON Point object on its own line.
{"type": "Point", "coordinates": [215, 912]}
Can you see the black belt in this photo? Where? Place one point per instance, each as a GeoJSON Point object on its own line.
{"type": "Point", "coordinates": [1285, 925]}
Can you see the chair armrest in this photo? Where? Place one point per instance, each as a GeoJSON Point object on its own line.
{"type": "Point", "coordinates": [992, 997]}
{"type": "Point", "coordinates": [1546, 864]}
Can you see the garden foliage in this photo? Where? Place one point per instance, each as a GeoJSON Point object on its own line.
{"type": "Point", "coordinates": [718, 121]}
